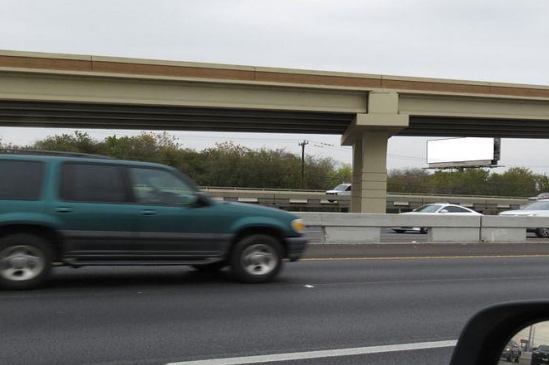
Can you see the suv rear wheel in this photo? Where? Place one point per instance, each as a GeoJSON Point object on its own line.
{"type": "Point", "coordinates": [25, 261]}
{"type": "Point", "coordinates": [256, 258]}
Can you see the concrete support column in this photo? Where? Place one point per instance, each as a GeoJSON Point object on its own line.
{"type": "Point", "coordinates": [368, 134]}
{"type": "Point", "coordinates": [356, 178]}
{"type": "Point", "coordinates": [369, 191]}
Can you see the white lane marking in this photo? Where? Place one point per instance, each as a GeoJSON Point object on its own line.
{"type": "Point", "coordinates": [320, 354]}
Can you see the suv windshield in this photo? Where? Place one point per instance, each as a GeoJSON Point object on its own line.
{"type": "Point", "coordinates": [341, 187]}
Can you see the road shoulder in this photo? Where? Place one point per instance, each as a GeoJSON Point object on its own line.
{"type": "Point", "coordinates": [390, 250]}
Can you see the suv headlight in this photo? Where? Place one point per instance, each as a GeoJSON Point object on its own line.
{"type": "Point", "coordinates": [298, 225]}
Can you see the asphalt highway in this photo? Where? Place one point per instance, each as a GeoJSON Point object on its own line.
{"type": "Point", "coordinates": [378, 310]}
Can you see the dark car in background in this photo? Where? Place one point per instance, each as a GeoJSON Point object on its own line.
{"type": "Point", "coordinates": [540, 355]}
{"type": "Point", "coordinates": [79, 210]}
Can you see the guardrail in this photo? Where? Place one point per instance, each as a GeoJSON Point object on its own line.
{"type": "Point", "coordinates": [207, 188]}
{"type": "Point", "coordinates": [271, 190]}
{"type": "Point", "coordinates": [355, 228]}
{"type": "Point", "coordinates": [396, 203]}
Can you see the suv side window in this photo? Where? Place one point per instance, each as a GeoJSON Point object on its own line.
{"type": "Point", "coordinates": [160, 187]}
{"type": "Point", "coordinates": [90, 182]}
{"type": "Point", "coordinates": [21, 180]}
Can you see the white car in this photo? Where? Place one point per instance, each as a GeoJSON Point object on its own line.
{"type": "Point", "coordinates": [539, 208]}
{"type": "Point", "coordinates": [436, 209]}
{"type": "Point", "coordinates": [341, 189]}
{"type": "Point", "coordinates": [539, 196]}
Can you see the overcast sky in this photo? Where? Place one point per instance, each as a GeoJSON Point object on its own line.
{"type": "Point", "coordinates": [489, 40]}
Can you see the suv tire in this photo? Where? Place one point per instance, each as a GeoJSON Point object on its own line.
{"type": "Point", "coordinates": [256, 258]}
{"type": "Point", "coordinates": [25, 261]}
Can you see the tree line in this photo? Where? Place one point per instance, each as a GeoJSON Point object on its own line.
{"type": "Point", "coordinates": [225, 165]}
{"type": "Point", "coordinates": [516, 182]}
{"type": "Point", "coordinates": [232, 165]}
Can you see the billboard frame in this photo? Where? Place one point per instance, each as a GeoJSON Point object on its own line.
{"type": "Point", "coordinates": [491, 163]}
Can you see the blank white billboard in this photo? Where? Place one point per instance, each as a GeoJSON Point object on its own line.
{"type": "Point", "coordinates": [469, 151]}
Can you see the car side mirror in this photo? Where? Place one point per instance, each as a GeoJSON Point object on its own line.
{"type": "Point", "coordinates": [493, 334]}
{"type": "Point", "coordinates": [444, 211]}
{"type": "Point", "coordinates": [202, 200]}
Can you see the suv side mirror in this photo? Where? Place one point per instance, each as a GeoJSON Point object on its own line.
{"type": "Point", "coordinates": [485, 336]}
{"type": "Point", "coordinates": [202, 200]}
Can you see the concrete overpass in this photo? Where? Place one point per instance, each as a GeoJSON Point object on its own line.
{"type": "Point", "coordinates": [57, 90]}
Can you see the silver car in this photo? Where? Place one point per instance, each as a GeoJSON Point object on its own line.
{"type": "Point", "coordinates": [435, 209]}
{"type": "Point", "coordinates": [539, 196]}
{"type": "Point", "coordinates": [341, 189]}
{"type": "Point", "coordinates": [539, 208]}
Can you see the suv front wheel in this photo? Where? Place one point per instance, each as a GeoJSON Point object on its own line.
{"type": "Point", "coordinates": [256, 258]}
{"type": "Point", "coordinates": [25, 261]}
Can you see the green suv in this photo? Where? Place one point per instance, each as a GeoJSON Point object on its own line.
{"type": "Point", "coordinates": [80, 210]}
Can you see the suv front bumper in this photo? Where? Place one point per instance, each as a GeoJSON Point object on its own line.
{"type": "Point", "coordinates": [296, 247]}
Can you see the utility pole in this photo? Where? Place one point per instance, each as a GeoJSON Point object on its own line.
{"type": "Point", "coordinates": [303, 144]}
{"type": "Point", "coordinates": [531, 335]}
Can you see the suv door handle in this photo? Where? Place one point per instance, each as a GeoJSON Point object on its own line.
{"type": "Point", "coordinates": [63, 210]}
{"type": "Point", "coordinates": [148, 212]}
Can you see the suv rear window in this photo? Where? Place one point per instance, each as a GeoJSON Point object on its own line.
{"type": "Point", "coordinates": [21, 180]}
{"type": "Point", "coordinates": [89, 182]}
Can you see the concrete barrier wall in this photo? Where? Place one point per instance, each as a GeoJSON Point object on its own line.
{"type": "Point", "coordinates": [366, 228]}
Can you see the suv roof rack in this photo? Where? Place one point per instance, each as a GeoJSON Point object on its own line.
{"type": "Point", "coordinates": [53, 153]}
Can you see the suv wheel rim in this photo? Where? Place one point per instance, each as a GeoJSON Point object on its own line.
{"type": "Point", "coordinates": [20, 263]}
{"type": "Point", "coordinates": [259, 259]}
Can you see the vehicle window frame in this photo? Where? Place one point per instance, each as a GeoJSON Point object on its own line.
{"type": "Point", "coordinates": [42, 183]}
{"type": "Point", "coordinates": [121, 170]}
